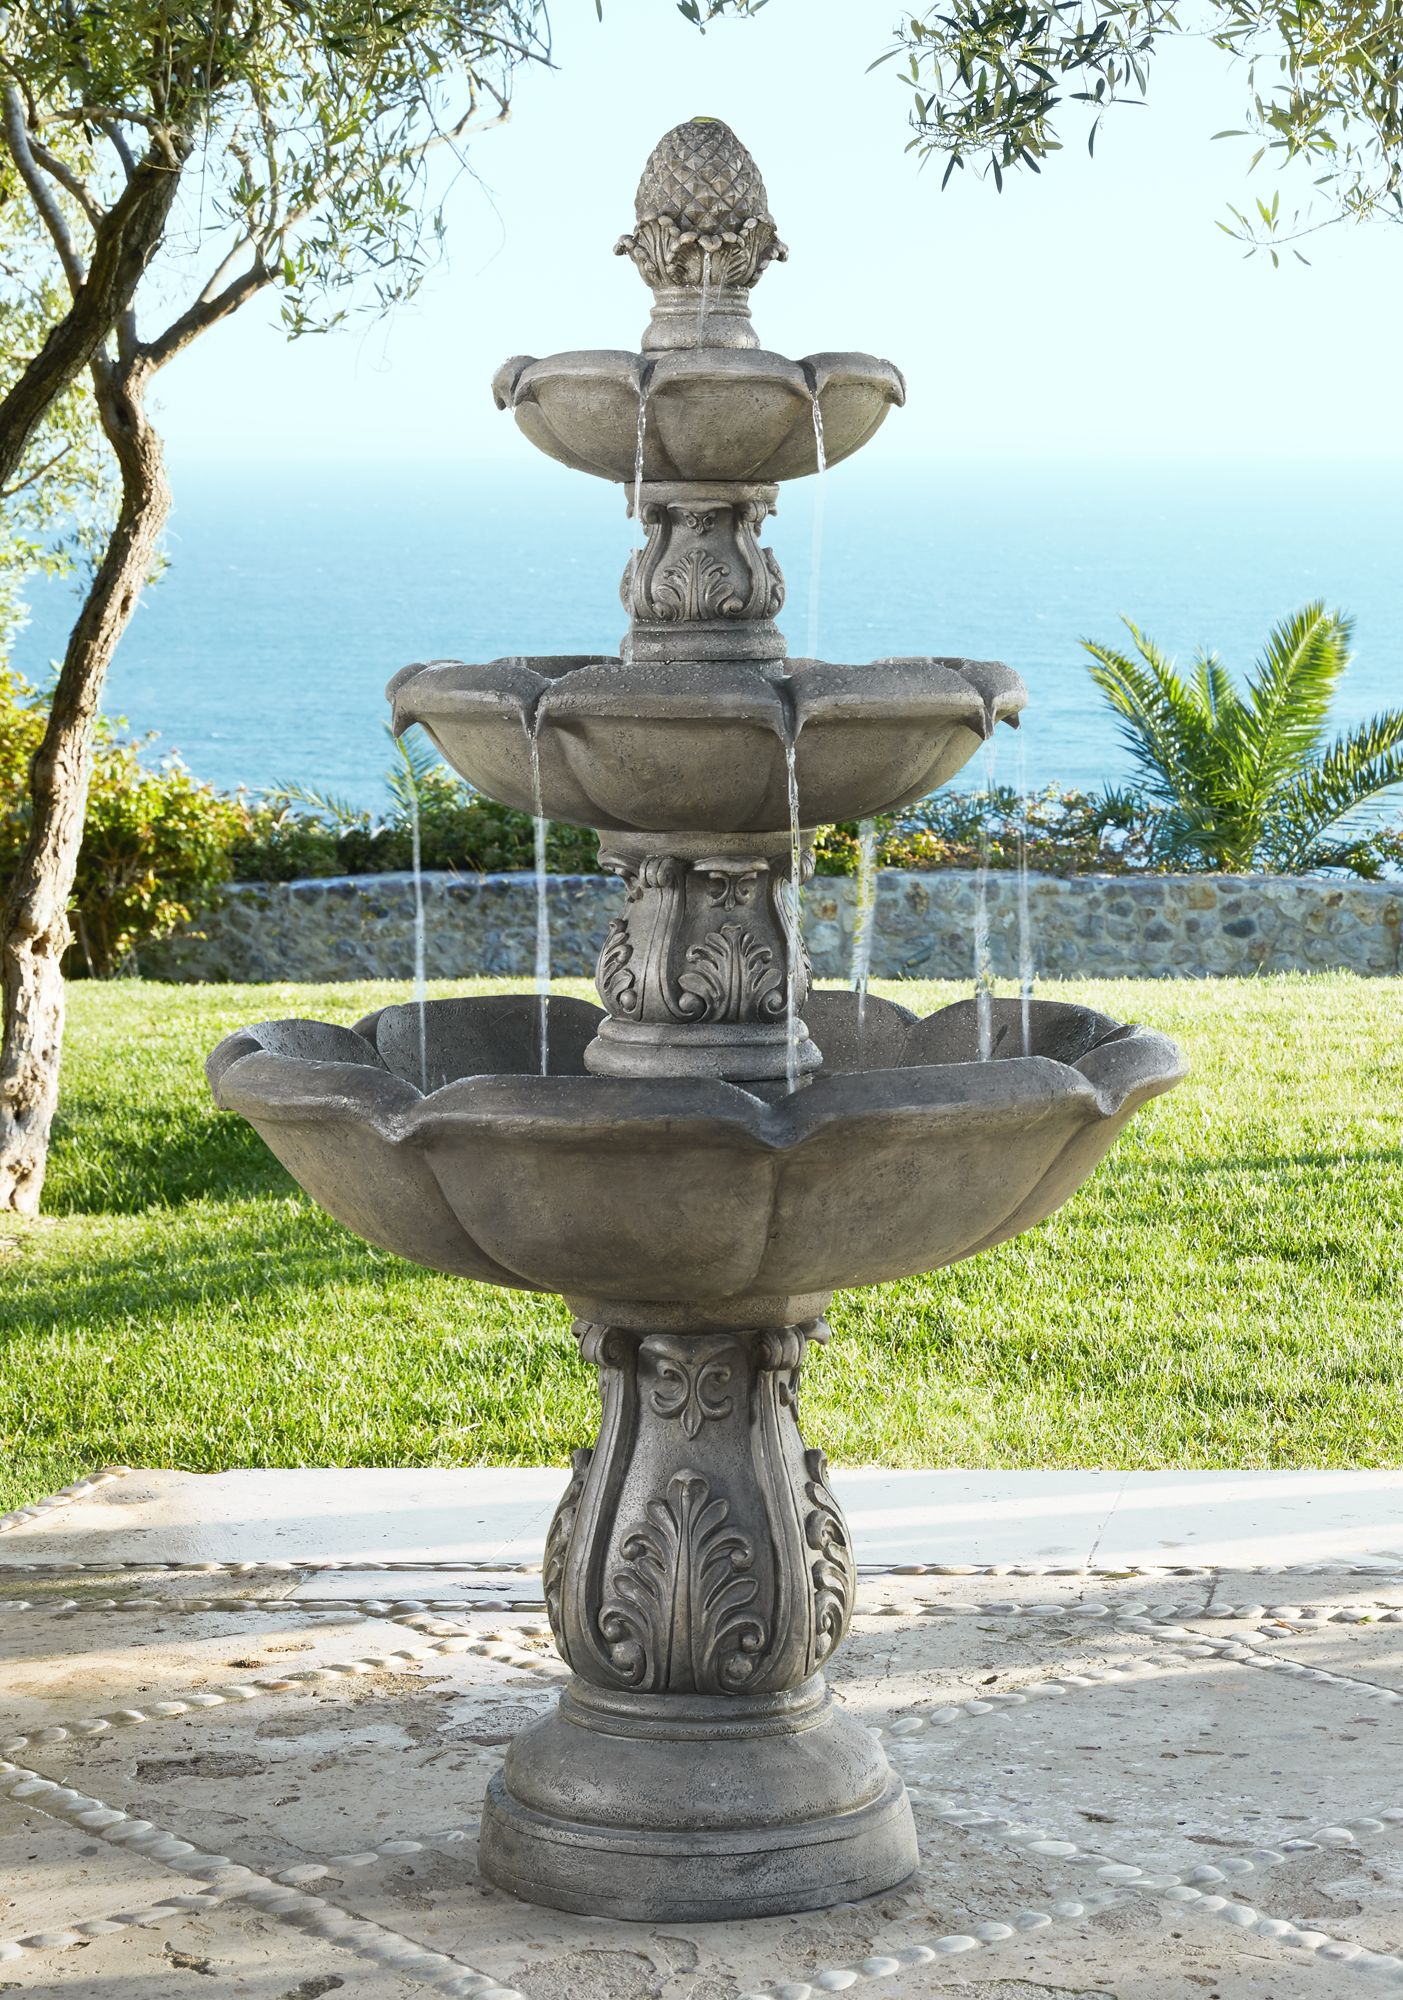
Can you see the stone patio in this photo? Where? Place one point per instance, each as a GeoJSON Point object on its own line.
{"type": "Point", "coordinates": [1151, 1725]}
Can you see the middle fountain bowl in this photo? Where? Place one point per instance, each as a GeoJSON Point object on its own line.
{"type": "Point", "coordinates": [704, 748]}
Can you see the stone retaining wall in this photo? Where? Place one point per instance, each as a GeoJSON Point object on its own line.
{"type": "Point", "coordinates": [1160, 926]}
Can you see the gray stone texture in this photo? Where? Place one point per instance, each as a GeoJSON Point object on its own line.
{"type": "Point", "coordinates": [1088, 926]}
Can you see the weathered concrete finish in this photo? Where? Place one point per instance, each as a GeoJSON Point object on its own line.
{"type": "Point", "coordinates": [573, 1183]}
{"type": "Point", "coordinates": [1089, 926]}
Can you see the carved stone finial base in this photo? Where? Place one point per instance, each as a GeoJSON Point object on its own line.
{"type": "Point", "coordinates": [702, 587]}
{"type": "Point", "coordinates": [696, 1809]}
{"type": "Point", "coordinates": [697, 1574]}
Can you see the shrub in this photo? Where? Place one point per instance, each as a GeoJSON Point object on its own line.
{"type": "Point", "coordinates": [155, 842]}
{"type": "Point", "coordinates": [292, 832]}
{"type": "Point", "coordinates": [1245, 778]}
{"type": "Point", "coordinates": [1064, 832]}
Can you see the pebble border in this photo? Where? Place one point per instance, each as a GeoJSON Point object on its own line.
{"type": "Point", "coordinates": [20, 1517]}
{"type": "Point", "coordinates": [282, 1896]}
{"type": "Point", "coordinates": [223, 1880]}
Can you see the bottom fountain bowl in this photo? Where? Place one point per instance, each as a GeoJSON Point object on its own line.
{"type": "Point", "coordinates": [698, 1573]}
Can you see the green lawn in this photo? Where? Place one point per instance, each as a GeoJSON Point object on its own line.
{"type": "Point", "coordinates": [1227, 1290]}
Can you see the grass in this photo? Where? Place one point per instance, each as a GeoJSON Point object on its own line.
{"type": "Point", "coordinates": [1227, 1290]}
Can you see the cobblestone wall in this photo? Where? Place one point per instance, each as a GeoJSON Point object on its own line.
{"type": "Point", "coordinates": [1111, 925]}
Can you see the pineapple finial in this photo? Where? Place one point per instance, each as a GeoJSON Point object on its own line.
{"type": "Point", "coordinates": [703, 236]}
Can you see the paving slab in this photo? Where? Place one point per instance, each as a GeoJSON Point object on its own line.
{"type": "Point", "coordinates": [484, 1514]}
{"type": "Point", "coordinates": [239, 1755]}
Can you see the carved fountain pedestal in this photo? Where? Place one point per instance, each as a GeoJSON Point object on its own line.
{"type": "Point", "coordinates": [697, 1168]}
{"type": "Point", "coordinates": [698, 1573]}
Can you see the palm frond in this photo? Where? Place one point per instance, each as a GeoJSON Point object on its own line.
{"type": "Point", "coordinates": [1161, 725]}
{"type": "Point", "coordinates": [1186, 737]}
{"type": "Point", "coordinates": [1290, 691]}
{"type": "Point", "coordinates": [339, 812]}
{"type": "Point", "coordinates": [415, 757]}
{"type": "Point", "coordinates": [1357, 767]}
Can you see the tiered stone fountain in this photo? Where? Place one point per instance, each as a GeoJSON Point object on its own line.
{"type": "Point", "coordinates": [697, 1167]}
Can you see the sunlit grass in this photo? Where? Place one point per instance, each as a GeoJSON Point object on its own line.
{"type": "Point", "coordinates": [1227, 1290]}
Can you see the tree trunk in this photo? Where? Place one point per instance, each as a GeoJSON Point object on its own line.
{"type": "Point", "coordinates": [124, 243]}
{"type": "Point", "coordinates": [36, 929]}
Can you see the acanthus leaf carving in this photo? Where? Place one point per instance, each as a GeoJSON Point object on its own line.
{"type": "Point", "coordinates": [731, 976]}
{"type": "Point", "coordinates": [679, 1614]}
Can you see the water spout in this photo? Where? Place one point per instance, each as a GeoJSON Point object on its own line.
{"type": "Point", "coordinates": [983, 943]}
{"type": "Point", "coordinates": [1027, 969]}
{"type": "Point", "coordinates": [637, 512]}
{"type": "Point", "coordinates": [865, 919]}
{"type": "Point", "coordinates": [420, 944]}
{"type": "Point", "coordinates": [705, 295]}
{"type": "Point", "coordinates": [532, 723]}
{"type": "Point", "coordinates": [816, 548]}
{"type": "Point", "coordinates": [794, 954]}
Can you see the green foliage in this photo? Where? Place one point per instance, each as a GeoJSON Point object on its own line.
{"type": "Point", "coordinates": [1246, 779]}
{"type": "Point", "coordinates": [293, 831]}
{"type": "Point", "coordinates": [992, 84]}
{"type": "Point", "coordinates": [155, 843]}
{"type": "Point", "coordinates": [311, 125]}
{"type": "Point", "coordinates": [1060, 832]}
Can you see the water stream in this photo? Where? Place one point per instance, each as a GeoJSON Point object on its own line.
{"type": "Point", "coordinates": [633, 560]}
{"type": "Point", "coordinates": [864, 919]}
{"type": "Point", "coordinates": [542, 900]}
{"type": "Point", "coordinates": [983, 944]}
{"type": "Point", "coordinates": [420, 942]}
{"type": "Point", "coordinates": [793, 957]}
{"type": "Point", "coordinates": [1027, 966]}
{"type": "Point", "coordinates": [705, 294]}
{"type": "Point", "coordinates": [816, 551]}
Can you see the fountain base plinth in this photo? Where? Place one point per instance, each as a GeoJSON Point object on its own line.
{"type": "Point", "coordinates": [733, 1054]}
{"type": "Point", "coordinates": [696, 1808]}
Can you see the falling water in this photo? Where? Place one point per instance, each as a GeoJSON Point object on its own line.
{"type": "Point", "coordinates": [705, 294]}
{"type": "Point", "coordinates": [420, 953]}
{"type": "Point", "coordinates": [794, 955]}
{"type": "Point", "coordinates": [542, 903]}
{"type": "Point", "coordinates": [637, 516]}
{"type": "Point", "coordinates": [983, 946]}
{"type": "Point", "coordinates": [1027, 969]}
{"type": "Point", "coordinates": [816, 550]}
{"type": "Point", "coordinates": [865, 923]}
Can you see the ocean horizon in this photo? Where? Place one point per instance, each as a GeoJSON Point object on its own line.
{"type": "Point", "coordinates": [293, 592]}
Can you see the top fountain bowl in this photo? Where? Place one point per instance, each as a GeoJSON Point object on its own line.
{"type": "Point", "coordinates": [743, 417]}
{"type": "Point", "coordinates": [906, 1154]}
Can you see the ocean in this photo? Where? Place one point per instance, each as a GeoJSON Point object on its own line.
{"type": "Point", "coordinates": [293, 592]}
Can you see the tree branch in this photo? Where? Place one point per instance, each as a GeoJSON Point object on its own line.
{"type": "Point", "coordinates": [60, 171]}
{"type": "Point", "coordinates": [122, 246]}
{"type": "Point", "coordinates": [40, 193]}
{"type": "Point", "coordinates": [33, 478]}
{"type": "Point", "coordinates": [205, 313]}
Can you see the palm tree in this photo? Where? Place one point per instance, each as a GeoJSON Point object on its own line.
{"type": "Point", "coordinates": [1245, 779]}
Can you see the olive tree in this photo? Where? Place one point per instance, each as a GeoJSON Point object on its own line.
{"type": "Point", "coordinates": [996, 84]}
{"type": "Point", "coordinates": [292, 144]}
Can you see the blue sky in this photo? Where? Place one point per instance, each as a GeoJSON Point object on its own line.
{"type": "Point", "coordinates": [1096, 311]}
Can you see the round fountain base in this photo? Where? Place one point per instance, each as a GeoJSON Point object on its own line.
{"type": "Point", "coordinates": [696, 1808]}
